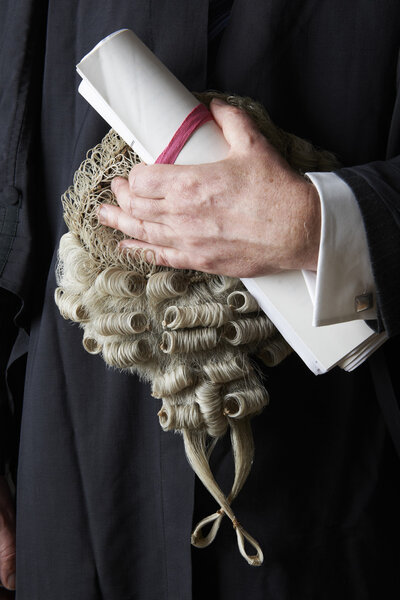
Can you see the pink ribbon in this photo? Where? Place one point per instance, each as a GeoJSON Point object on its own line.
{"type": "Point", "coordinates": [195, 119]}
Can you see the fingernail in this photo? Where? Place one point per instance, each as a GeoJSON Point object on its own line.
{"type": "Point", "coordinates": [102, 214]}
{"type": "Point", "coordinates": [11, 582]}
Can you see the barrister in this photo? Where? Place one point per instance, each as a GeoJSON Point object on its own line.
{"type": "Point", "coordinates": [98, 512]}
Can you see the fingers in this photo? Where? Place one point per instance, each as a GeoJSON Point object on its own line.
{"type": "Point", "coordinates": [115, 217]}
{"type": "Point", "coordinates": [7, 537]}
{"type": "Point", "coordinates": [238, 128]}
{"type": "Point", "coordinates": [170, 257]}
{"type": "Point", "coordinates": [141, 208]}
{"type": "Point", "coordinates": [156, 181]}
{"type": "Point", "coordinates": [164, 257]}
{"type": "Point", "coordinates": [151, 181]}
{"type": "Point", "coordinates": [122, 192]}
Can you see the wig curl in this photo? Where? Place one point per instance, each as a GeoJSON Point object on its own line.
{"type": "Point", "coordinates": [191, 335]}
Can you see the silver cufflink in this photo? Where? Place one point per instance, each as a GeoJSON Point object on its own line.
{"type": "Point", "coordinates": [363, 302]}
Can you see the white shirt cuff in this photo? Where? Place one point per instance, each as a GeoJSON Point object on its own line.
{"type": "Point", "coordinates": [343, 287]}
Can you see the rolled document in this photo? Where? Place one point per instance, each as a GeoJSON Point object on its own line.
{"type": "Point", "coordinates": [145, 103]}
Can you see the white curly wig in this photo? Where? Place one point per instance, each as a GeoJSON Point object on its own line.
{"type": "Point", "coordinates": [190, 334]}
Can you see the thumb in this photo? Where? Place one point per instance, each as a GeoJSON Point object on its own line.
{"type": "Point", "coordinates": [7, 537]}
{"type": "Point", "coordinates": [238, 128]}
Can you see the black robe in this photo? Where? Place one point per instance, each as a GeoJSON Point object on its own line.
{"type": "Point", "coordinates": [105, 499]}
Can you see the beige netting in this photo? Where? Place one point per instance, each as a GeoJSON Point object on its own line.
{"type": "Point", "coordinates": [190, 334]}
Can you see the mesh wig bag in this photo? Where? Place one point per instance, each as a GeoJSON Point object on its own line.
{"type": "Point", "coordinates": [190, 334]}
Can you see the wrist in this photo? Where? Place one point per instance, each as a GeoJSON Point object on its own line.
{"type": "Point", "coordinates": [307, 227]}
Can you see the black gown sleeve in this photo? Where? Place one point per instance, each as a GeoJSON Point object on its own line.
{"type": "Point", "coordinates": [23, 36]}
{"type": "Point", "coordinates": [377, 189]}
{"type": "Point", "coordinates": [376, 186]}
{"type": "Point", "coordinates": [8, 334]}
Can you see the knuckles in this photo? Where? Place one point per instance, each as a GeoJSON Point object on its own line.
{"type": "Point", "coordinates": [163, 260]}
{"type": "Point", "coordinates": [145, 180]}
{"type": "Point", "coordinates": [7, 553]}
{"type": "Point", "coordinates": [186, 187]}
{"type": "Point", "coordinates": [136, 175]}
{"type": "Point", "coordinates": [140, 231]}
{"type": "Point", "coordinates": [205, 264]}
{"type": "Point", "coordinates": [7, 549]}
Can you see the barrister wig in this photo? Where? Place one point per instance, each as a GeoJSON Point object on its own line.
{"type": "Point", "coordinates": [190, 334]}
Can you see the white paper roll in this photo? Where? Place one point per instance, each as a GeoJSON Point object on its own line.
{"type": "Point", "coordinates": [143, 101]}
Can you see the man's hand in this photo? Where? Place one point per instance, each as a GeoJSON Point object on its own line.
{"type": "Point", "coordinates": [7, 537]}
{"type": "Point", "coordinates": [244, 216]}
